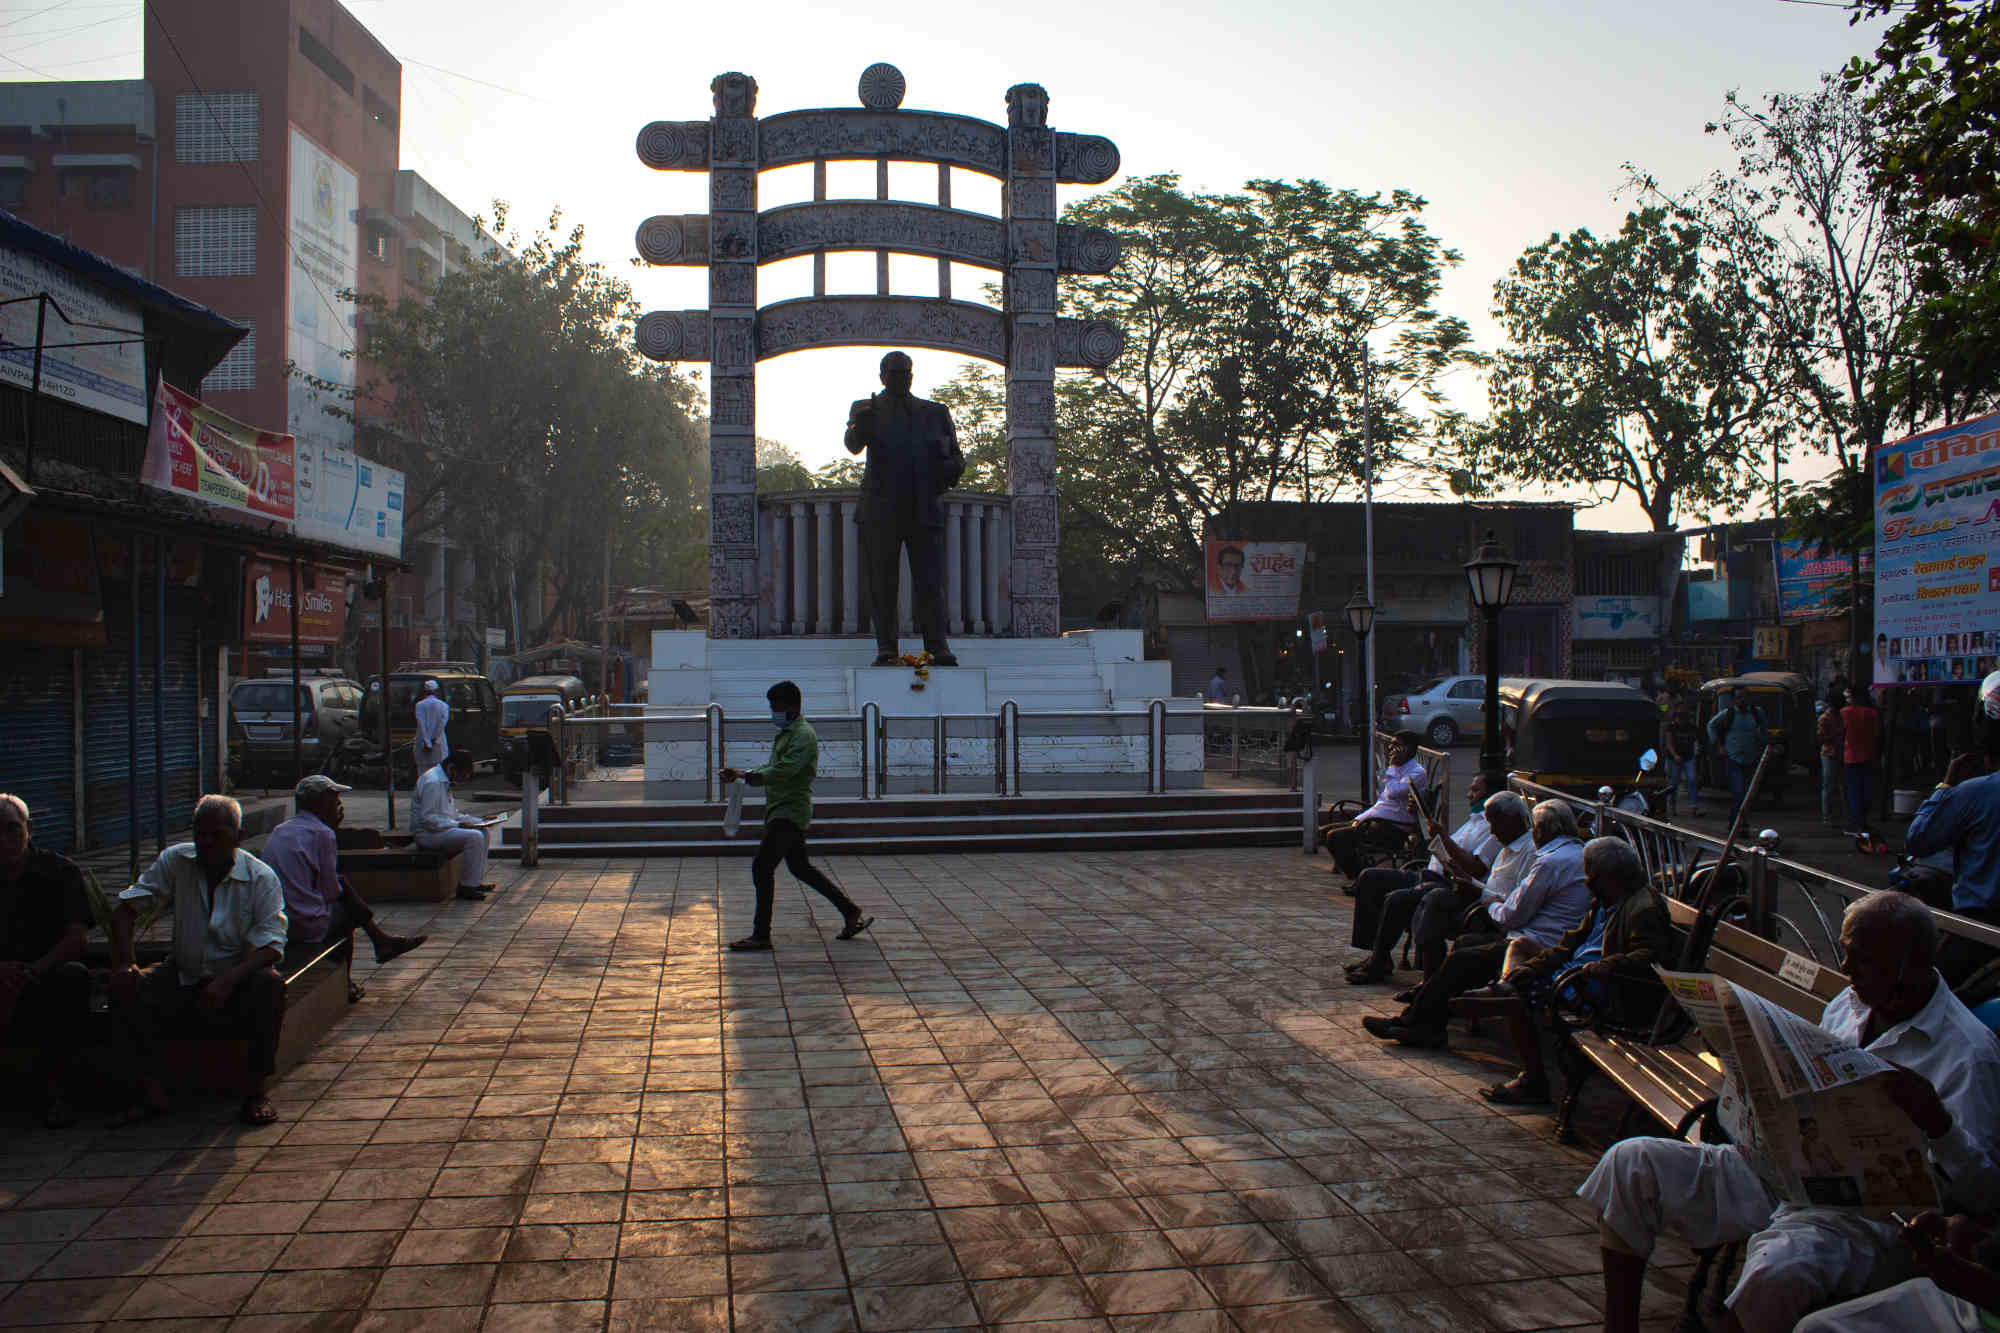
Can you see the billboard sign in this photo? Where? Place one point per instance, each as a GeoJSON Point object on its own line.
{"type": "Point", "coordinates": [1617, 617]}
{"type": "Point", "coordinates": [1812, 581]}
{"type": "Point", "coordinates": [319, 326]}
{"type": "Point", "coordinates": [110, 378]}
{"type": "Point", "coordinates": [348, 501]}
{"type": "Point", "coordinates": [195, 451]}
{"type": "Point", "coordinates": [1254, 580]}
{"type": "Point", "coordinates": [1937, 554]}
{"type": "Point", "coordinates": [267, 603]}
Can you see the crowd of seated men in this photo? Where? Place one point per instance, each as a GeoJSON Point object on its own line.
{"type": "Point", "coordinates": [238, 925]}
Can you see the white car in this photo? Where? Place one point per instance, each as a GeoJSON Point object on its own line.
{"type": "Point", "coordinates": [1444, 711]}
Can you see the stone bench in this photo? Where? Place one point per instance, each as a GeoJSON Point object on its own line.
{"type": "Point", "coordinates": [400, 872]}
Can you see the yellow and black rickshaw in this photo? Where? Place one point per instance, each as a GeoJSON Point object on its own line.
{"type": "Point", "coordinates": [1579, 735]}
{"type": "Point", "coordinates": [1785, 698]}
{"type": "Point", "coordinates": [524, 707]}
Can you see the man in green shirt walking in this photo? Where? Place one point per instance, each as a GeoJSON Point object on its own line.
{"type": "Point", "coordinates": [788, 781]}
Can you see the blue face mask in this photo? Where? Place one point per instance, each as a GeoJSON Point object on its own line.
{"type": "Point", "coordinates": [779, 718]}
{"type": "Point", "coordinates": [1478, 805]}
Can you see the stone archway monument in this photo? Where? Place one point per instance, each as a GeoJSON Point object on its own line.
{"type": "Point", "coordinates": [1025, 244]}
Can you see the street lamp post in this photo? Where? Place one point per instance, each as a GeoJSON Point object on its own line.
{"type": "Point", "coordinates": [1490, 575]}
{"type": "Point", "coordinates": [1361, 619]}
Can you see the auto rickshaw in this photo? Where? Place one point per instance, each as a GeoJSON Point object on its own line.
{"type": "Point", "coordinates": [1579, 735]}
{"type": "Point", "coordinates": [524, 707]}
{"type": "Point", "coordinates": [1786, 700]}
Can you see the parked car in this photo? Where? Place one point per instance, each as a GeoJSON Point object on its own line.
{"type": "Point", "coordinates": [260, 723]}
{"type": "Point", "coordinates": [1444, 711]}
{"type": "Point", "coordinates": [474, 727]}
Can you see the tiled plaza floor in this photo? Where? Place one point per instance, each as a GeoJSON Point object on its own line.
{"type": "Point", "coordinates": [1102, 1091]}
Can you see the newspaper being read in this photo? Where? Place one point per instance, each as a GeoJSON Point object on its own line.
{"type": "Point", "coordinates": [1811, 1110]}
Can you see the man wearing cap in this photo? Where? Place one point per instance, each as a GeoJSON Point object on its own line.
{"type": "Point", "coordinates": [320, 906]}
{"type": "Point", "coordinates": [430, 746]}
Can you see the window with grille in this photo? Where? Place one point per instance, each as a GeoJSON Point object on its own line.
{"type": "Point", "coordinates": [215, 242]}
{"type": "Point", "coordinates": [238, 370]}
{"type": "Point", "coordinates": [13, 188]}
{"type": "Point", "coordinates": [215, 127]}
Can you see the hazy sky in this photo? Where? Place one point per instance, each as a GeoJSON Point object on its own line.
{"type": "Point", "coordinates": [1512, 119]}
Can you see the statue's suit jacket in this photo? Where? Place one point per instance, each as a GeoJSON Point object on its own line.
{"type": "Point", "coordinates": [914, 466]}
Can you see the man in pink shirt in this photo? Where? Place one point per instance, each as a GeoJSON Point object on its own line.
{"type": "Point", "coordinates": [320, 906]}
{"type": "Point", "coordinates": [1863, 746]}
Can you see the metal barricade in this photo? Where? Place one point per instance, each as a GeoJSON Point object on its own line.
{"type": "Point", "coordinates": [1250, 742]}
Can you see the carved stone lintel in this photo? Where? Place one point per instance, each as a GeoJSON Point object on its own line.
{"type": "Point", "coordinates": [673, 335]}
{"type": "Point", "coordinates": [677, 239]}
{"type": "Point", "coordinates": [1085, 159]}
{"type": "Point", "coordinates": [881, 321]}
{"type": "Point", "coordinates": [675, 145]}
{"type": "Point", "coordinates": [910, 136]}
{"type": "Point", "coordinates": [1086, 249]}
{"type": "Point", "coordinates": [1088, 343]}
{"type": "Point", "coordinates": [922, 229]}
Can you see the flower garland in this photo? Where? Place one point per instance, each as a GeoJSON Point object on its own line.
{"type": "Point", "coordinates": [920, 667]}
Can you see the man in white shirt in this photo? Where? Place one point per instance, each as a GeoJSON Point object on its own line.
{"type": "Point", "coordinates": [440, 828]}
{"type": "Point", "coordinates": [1385, 825]}
{"type": "Point", "coordinates": [1550, 898]}
{"type": "Point", "coordinates": [1796, 1258]}
{"type": "Point", "coordinates": [229, 933]}
{"type": "Point", "coordinates": [1386, 898]}
{"type": "Point", "coordinates": [1439, 915]}
{"type": "Point", "coordinates": [430, 747]}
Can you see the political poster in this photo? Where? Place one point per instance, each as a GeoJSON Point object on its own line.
{"type": "Point", "coordinates": [325, 261]}
{"type": "Point", "coordinates": [109, 377]}
{"type": "Point", "coordinates": [1937, 554]}
{"type": "Point", "coordinates": [195, 451]}
{"type": "Point", "coordinates": [267, 603]}
{"type": "Point", "coordinates": [1254, 580]}
{"type": "Point", "coordinates": [1812, 580]}
{"type": "Point", "coordinates": [348, 501]}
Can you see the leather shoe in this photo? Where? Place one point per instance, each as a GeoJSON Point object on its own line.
{"type": "Point", "coordinates": [855, 926]}
{"type": "Point", "coordinates": [944, 659]}
{"type": "Point", "coordinates": [749, 944]}
{"type": "Point", "coordinates": [396, 946]}
{"type": "Point", "coordinates": [1422, 1039]}
{"type": "Point", "coordinates": [885, 659]}
{"type": "Point", "coordinates": [472, 895]}
{"type": "Point", "coordinates": [1380, 1025]}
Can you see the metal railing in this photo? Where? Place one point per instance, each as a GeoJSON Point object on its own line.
{"type": "Point", "coordinates": [1250, 742]}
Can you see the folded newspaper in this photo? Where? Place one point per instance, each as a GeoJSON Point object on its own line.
{"type": "Point", "coordinates": [1811, 1110]}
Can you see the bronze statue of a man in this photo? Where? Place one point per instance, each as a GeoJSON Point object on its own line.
{"type": "Point", "coordinates": [913, 458]}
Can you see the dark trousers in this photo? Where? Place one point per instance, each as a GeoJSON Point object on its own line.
{"type": "Point", "coordinates": [882, 562]}
{"type": "Point", "coordinates": [1465, 968]}
{"type": "Point", "coordinates": [786, 841]}
{"type": "Point", "coordinates": [165, 1008]}
{"type": "Point", "coordinates": [1857, 795]}
{"type": "Point", "coordinates": [1739, 785]}
{"type": "Point", "coordinates": [1372, 892]}
{"type": "Point", "coordinates": [48, 1016]}
{"type": "Point", "coordinates": [347, 915]}
{"type": "Point", "coordinates": [1437, 921]}
{"type": "Point", "coordinates": [1349, 843]}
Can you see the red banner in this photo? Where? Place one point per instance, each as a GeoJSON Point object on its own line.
{"type": "Point", "coordinates": [196, 451]}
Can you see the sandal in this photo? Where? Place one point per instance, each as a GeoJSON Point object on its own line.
{"type": "Point", "coordinates": [1371, 974]}
{"type": "Point", "coordinates": [1518, 1091]}
{"type": "Point", "coordinates": [258, 1111]}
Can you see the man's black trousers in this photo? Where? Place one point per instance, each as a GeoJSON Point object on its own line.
{"type": "Point", "coordinates": [786, 841]}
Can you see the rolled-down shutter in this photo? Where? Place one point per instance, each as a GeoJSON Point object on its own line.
{"type": "Point", "coordinates": [38, 757]}
{"type": "Point", "coordinates": [106, 741]}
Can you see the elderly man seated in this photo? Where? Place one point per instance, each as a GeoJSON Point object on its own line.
{"type": "Point", "coordinates": [1796, 1258]}
{"type": "Point", "coordinates": [44, 990]}
{"type": "Point", "coordinates": [320, 906]}
{"type": "Point", "coordinates": [221, 979]}
{"type": "Point", "coordinates": [1613, 950]}
{"type": "Point", "coordinates": [1549, 900]}
{"type": "Point", "coordinates": [441, 828]}
{"type": "Point", "coordinates": [1386, 898]}
{"type": "Point", "coordinates": [1387, 824]}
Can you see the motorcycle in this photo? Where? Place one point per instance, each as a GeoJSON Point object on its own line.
{"type": "Point", "coordinates": [1639, 798]}
{"type": "Point", "coordinates": [1923, 877]}
{"type": "Point", "coordinates": [359, 761]}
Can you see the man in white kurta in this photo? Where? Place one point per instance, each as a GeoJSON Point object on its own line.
{"type": "Point", "coordinates": [441, 828]}
{"type": "Point", "coordinates": [1796, 1257]}
{"type": "Point", "coordinates": [430, 747]}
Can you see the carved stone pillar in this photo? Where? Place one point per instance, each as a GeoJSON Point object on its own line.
{"type": "Point", "coordinates": [998, 563]}
{"type": "Point", "coordinates": [850, 568]}
{"type": "Point", "coordinates": [975, 564]}
{"type": "Point", "coordinates": [732, 367]}
{"type": "Point", "coordinates": [823, 553]}
{"type": "Point", "coordinates": [954, 567]}
{"type": "Point", "coordinates": [801, 620]}
{"type": "Point", "coordinates": [1029, 207]}
{"type": "Point", "coordinates": [779, 562]}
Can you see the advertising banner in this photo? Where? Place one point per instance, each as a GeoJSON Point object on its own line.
{"type": "Point", "coordinates": [1254, 580]}
{"type": "Point", "coordinates": [348, 501]}
{"type": "Point", "coordinates": [196, 451]}
{"type": "Point", "coordinates": [1617, 617]}
{"type": "Point", "coordinates": [319, 326]}
{"type": "Point", "coordinates": [1812, 582]}
{"type": "Point", "coordinates": [1937, 555]}
{"type": "Point", "coordinates": [267, 603]}
{"type": "Point", "coordinates": [110, 378]}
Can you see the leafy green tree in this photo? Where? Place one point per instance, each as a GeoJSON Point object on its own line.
{"type": "Point", "coordinates": [531, 434]}
{"type": "Point", "coordinates": [779, 468]}
{"type": "Point", "coordinates": [1636, 363]}
{"type": "Point", "coordinates": [1933, 89]}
